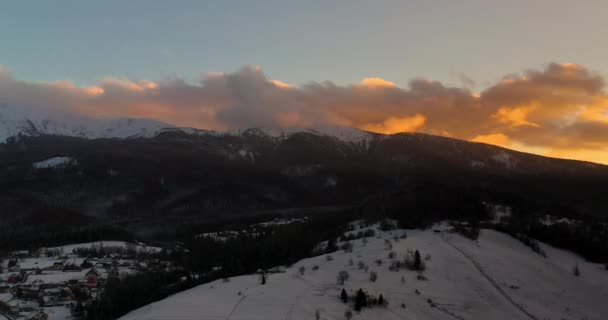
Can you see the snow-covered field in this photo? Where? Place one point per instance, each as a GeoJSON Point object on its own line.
{"type": "Point", "coordinates": [121, 244]}
{"type": "Point", "coordinates": [495, 277]}
{"type": "Point", "coordinates": [58, 313]}
{"type": "Point", "coordinates": [53, 162]}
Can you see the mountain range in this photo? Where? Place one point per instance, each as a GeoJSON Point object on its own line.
{"type": "Point", "coordinates": [157, 176]}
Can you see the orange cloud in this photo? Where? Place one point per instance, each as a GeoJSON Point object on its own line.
{"type": "Point", "coordinates": [597, 155]}
{"type": "Point", "coordinates": [376, 82]}
{"type": "Point", "coordinates": [561, 110]}
{"type": "Point", "coordinates": [515, 116]}
{"type": "Point", "coordinates": [498, 139]}
{"type": "Point", "coordinates": [280, 84]}
{"type": "Point", "coordinates": [395, 125]}
{"type": "Point", "coordinates": [129, 85]}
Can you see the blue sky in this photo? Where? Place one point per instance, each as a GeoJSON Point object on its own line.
{"type": "Point", "coordinates": [297, 42]}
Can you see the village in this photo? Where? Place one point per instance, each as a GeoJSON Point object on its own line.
{"type": "Point", "coordinates": [58, 283]}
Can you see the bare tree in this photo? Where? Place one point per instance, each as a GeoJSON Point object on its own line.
{"type": "Point", "coordinates": [373, 276]}
{"type": "Point", "coordinates": [342, 277]}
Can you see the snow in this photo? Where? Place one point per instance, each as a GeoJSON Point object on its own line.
{"type": "Point", "coordinates": [549, 220]}
{"type": "Point", "coordinates": [477, 164]}
{"type": "Point", "coordinates": [5, 296]}
{"type": "Point", "coordinates": [53, 163]}
{"type": "Point", "coordinates": [29, 121]}
{"type": "Point", "coordinates": [42, 262]}
{"type": "Point", "coordinates": [35, 121]}
{"type": "Point", "coordinates": [506, 159]}
{"type": "Point", "coordinates": [280, 222]}
{"type": "Point", "coordinates": [219, 236]}
{"type": "Point", "coordinates": [496, 277]}
{"type": "Point", "coordinates": [58, 313]}
{"type": "Point", "coordinates": [56, 276]}
{"type": "Point", "coordinates": [345, 134]}
{"type": "Point", "coordinates": [500, 213]}
{"type": "Point", "coordinates": [71, 247]}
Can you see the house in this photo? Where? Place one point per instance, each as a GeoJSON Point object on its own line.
{"type": "Point", "coordinates": [13, 279]}
{"type": "Point", "coordinates": [71, 267]}
{"type": "Point", "coordinates": [49, 300]}
{"type": "Point", "coordinates": [66, 294]}
{"type": "Point", "coordinates": [57, 266]}
{"type": "Point", "coordinates": [92, 278]}
{"type": "Point", "coordinates": [32, 293]}
{"type": "Point", "coordinates": [94, 293]}
{"type": "Point", "coordinates": [93, 272]}
{"type": "Point", "coordinates": [87, 263]}
{"type": "Point", "coordinates": [41, 315]}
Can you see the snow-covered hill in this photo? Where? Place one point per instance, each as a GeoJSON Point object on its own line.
{"type": "Point", "coordinates": [495, 277]}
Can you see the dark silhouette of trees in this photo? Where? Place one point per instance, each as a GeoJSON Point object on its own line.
{"type": "Point", "coordinates": [360, 300]}
{"type": "Point", "coordinates": [417, 261]}
{"type": "Point", "coordinates": [344, 296]}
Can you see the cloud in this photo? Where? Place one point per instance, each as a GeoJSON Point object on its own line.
{"type": "Point", "coordinates": [498, 139]}
{"type": "Point", "coordinates": [376, 82]}
{"type": "Point", "coordinates": [395, 125]}
{"type": "Point", "coordinates": [559, 110]}
{"type": "Point", "coordinates": [516, 116]}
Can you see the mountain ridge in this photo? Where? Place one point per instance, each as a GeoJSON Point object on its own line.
{"type": "Point", "coordinates": [19, 122]}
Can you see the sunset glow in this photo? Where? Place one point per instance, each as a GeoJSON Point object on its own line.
{"type": "Point", "coordinates": [558, 111]}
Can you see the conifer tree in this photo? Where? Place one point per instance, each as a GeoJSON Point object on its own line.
{"type": "Point", "coordinates": [417, 261]}
{"type": "Point", "coordinates": [360, 300]}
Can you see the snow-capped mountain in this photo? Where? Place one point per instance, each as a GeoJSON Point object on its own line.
{"type": "Point", "coordinates": [20, 121]}
{"type": "Point", "coordinates": [266, 168]}
{"type": "Point", "coordinates": [16, 122]}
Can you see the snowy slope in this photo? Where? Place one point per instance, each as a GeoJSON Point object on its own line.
{"type": "Point", "coordinates": [494, 278]}
{"type": "Point", "coordinates": [344, 134]}
{"type": "Point", "coordinates": [53, 162]}
{"type": "Point", "coordinates": [16, 121]}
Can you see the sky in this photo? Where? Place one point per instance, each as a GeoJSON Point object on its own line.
{"type": "Point", "coordinates": [528, 75]}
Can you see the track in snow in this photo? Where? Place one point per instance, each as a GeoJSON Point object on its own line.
{"type": "Point", "coordinates": [491, 280]}
{"type": "Point", "coordinates": [235, 307]}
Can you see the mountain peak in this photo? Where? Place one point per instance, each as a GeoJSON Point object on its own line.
{"type": "Point", "coordinates": [25, 122]}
